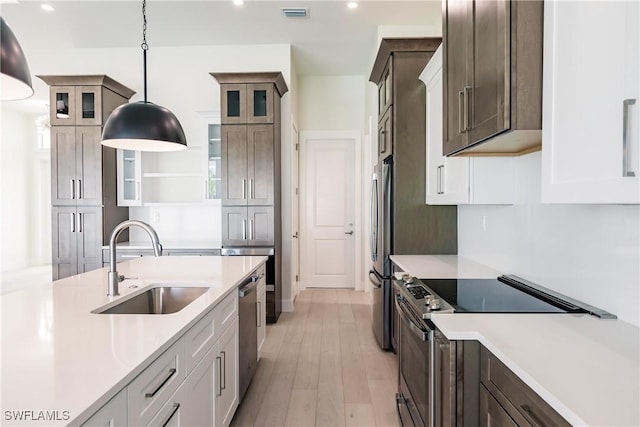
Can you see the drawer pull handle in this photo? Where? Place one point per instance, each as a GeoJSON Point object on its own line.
{"type": "Point", "coordinates": [530, 416]}
{"type": "Point", "coordinates": [172, 372]}
{"type": "Point", "coordinates": [176, 406]}
{"type": "Point", "coordinates": [625, 152]}
{"type": "Point", "coordinates": [219, 391]}
{"type": "Point", "coordinates": [224, 372]}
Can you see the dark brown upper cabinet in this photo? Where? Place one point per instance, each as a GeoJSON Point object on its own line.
{"type": "Point", "coordinates": [247, 101]}
{"type": "Point", "coordinates": [83, 100]}
{"type": "Point", "coordinates": [492, 74]}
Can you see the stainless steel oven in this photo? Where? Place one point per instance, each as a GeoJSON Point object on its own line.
{"type": "Point", "coordinates": [416, 348]}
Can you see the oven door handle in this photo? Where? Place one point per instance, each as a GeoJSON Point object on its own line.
{"type": "Point", "coordinates": [417, 330]}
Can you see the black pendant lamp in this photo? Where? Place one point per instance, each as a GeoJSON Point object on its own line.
{"type": "Point", "coordinates": [15, 80]}
{"type": "Point", "coordinates": [143, 126]}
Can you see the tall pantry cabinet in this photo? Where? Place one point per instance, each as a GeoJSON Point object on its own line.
{"type": "Point", "coordinates": [83, 172]}
{"type": "Point", "coordinates": [250, 160]}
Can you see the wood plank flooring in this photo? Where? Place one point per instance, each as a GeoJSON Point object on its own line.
{"type": "Point", "coordinates": [321, 366]}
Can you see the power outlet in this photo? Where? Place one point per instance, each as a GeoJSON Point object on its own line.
{"type": "Point", "coordinates": [156, 217]}
{"type": "Point", "coordinates": [484, 223]}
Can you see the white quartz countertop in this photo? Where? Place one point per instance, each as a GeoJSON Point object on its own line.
{"type": "Point", "coordinates": [58, 356]}
{"type": "Point", "coordinates": [586, 368]}
{"type": "Point", "coordinates": [443, 267]}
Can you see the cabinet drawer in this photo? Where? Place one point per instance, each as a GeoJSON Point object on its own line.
{"type": "Point", "coordinates": [226, 311]}
{"type": "Point", "coordinates": [514, 395]}
{"type": "Point", "coordinates": [199, 339]}
{"type": "Point", "coordinates": [149, 391]}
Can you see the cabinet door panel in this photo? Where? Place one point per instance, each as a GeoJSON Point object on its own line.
{"type": "Point", "coordinates": [489, 95]}
{"type": "Point", "coordinates": [227, 390]}
{"type": "Point", "coordinates": [234, 165]}
{"type": "Point", "coordinates": [198, 393]}
{"type": "Point", "coordinates": [89, 165]}
{"type": "Point", "coordinates": [455, 53]}
{"type": "Point", "coordinates": [234, 226]}
{"type": "Point", "coordinates": [89, 237]}
{"type": "Point", "coordinates": [261, 224]}
{"type": "Point", "coordinates": [63, 165]}
{"type": "Point", "coordinates": [385, 135]}
{"type": "Point", "coordinates": [62, 104]}
{"type": "Point", "coordinates": [260, 103]}
{"type": "Point", "coordinates": [491, 413]}
{"type": "Point", "coordinates": [584, 97]}
{"type": "Point", "coordinates": [234, 103]}
{"type": "Point", "coordinates": [88, 105]}
{"type": "Point", "coordinates": [260, 164]}
{"type": "Point", "coordinates": [64, 227]}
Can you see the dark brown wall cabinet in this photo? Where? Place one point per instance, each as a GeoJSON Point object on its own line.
{"type": "Point", "coordinates": [505, 400]}
{"type": "Point", "coordinates": [83, 172]}
{"type": "Point", "coordinates": [402, 135]}
{"type": "Point", "coordinates": [492, 75]}
{"type": "Point", "coordinates": [250, 158]}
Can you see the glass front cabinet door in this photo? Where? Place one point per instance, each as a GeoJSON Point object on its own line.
{"type": "Point", "coordinates": [76, 105]}
{"type": "Point", "coordinates": [129, 171]}
{"type": "Point", "coordinates": [247, 103]}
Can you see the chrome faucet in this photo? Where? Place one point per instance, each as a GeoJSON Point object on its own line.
{"type": "Point", "coordinates": [114, 278]}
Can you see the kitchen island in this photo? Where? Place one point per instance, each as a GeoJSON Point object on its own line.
{"type": "Point", "coordinates": [587, 369]}
{"type": "Point", "coordinates": [62, 362]}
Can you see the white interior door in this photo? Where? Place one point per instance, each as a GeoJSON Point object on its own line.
{"type": "Point", "coordinates": [329, 237]}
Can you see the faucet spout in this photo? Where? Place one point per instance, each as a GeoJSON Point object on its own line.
{"type": "Point", "coordinates": [114, 278]}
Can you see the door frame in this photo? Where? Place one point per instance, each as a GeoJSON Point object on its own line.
{"type": "Point", "coordinates": [356, 136]}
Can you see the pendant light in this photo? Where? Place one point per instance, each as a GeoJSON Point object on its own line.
{"type": "Point", "coordinates": [15, 80]}
{"type": "Point", "coordinates": [143, 126]}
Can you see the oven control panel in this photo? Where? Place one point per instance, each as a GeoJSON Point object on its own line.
{"type": "Point", "coordinates": [422, 299]}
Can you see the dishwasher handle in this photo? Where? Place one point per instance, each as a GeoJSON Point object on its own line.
{"type": "Point", "coordinates": [249, 287]}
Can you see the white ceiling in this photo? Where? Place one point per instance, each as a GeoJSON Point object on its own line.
{"type": "Point", "coordinates": [333, 40]}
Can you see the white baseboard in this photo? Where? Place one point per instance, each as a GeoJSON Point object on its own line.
{"type": "Point", "coordinates": [287, 305]}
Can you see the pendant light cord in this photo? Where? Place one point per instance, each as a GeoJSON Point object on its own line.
{"type": "Point", "coordinates": [144, 46]}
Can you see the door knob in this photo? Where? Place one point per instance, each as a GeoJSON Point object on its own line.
{"type": "Point", "coordinates": [349, 232]}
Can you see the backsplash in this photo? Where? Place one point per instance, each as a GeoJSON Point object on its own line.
{"type": "Point", "coordinates": [588, 252]}
{"type": "Point", "coordinates": [188, 223]}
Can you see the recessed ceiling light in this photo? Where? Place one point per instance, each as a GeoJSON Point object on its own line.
{"type": "Point", "coordinates": [238, 2]}
{"type": "Point", "coordinates": [352, 5]}
{"type": "Point", "coordinates": [47, 7]}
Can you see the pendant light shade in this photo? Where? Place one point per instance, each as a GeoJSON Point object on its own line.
{"type": "Point", "coordinates": [143, 126]}
{"type": "Point", "coordinates": [15, 81]}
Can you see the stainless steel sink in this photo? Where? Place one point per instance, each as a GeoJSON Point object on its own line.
{"type": "Point", "coordinates": [157, 300]}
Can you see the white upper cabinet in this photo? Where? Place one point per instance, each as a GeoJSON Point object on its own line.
{"type": "Point", "coordinates": [459, 180]}
{"type": "Point", "coordinates": [591, 111]}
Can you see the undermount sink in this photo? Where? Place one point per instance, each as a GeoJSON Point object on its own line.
{"type": "Point", "coordinates": [157, 300]}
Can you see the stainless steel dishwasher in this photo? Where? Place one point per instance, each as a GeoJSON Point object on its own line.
{"type": "Point", "coordinates": [248, 325]}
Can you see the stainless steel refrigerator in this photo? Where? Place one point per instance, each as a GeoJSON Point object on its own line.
{"type": "Point", "coordinates": [402, 224]}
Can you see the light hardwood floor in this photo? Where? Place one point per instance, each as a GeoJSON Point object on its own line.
{"type": "Point", "coordinates": [321, 366]}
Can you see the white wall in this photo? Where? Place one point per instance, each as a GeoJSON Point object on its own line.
{"type": "Point", "coordinates": [25, 216]}
{"type": "Point", "coordinates": [588, 252]}
{"type": "Point", "coordinates": [332, 103]}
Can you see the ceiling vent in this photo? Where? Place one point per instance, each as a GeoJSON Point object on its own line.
{"type": "Point", "coordinates": [295, 12]}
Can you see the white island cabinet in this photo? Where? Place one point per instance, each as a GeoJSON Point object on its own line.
{"type": "Point", "coordinates": [591, 102]}
{"type": "Point", "coordinates": [81, 368]}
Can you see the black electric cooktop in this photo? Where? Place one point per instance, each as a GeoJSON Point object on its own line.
{"type": "Point", "coordinates": [494, 296]}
